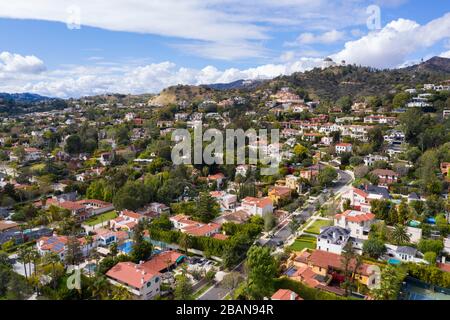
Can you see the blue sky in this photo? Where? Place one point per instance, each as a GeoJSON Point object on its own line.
{"type": "Point", "coordinates": [149, 45]}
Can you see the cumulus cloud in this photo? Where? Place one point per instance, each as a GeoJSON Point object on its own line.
{"type": "Point", "coordinates": [76, 81]}
{"type": "Point", "coordinates": [15, 63]}
{"type": "Point", "coordinates": [392, 45]}
{"type": "Point", "coordinates": [445, 54]}
{"type": "Point", "coordinates": [328, 37]}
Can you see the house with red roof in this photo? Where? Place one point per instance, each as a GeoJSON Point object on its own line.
{"type": "Point", "coordinates": [216, 179]}
{"type": "Point", "coordinates": [126, 220]}
{"type": "Point", "coordinates": [343, 148]}
{"type": "Point", "coordinates": [285, 294]}
{"type": "Point", "coordinates": [58, 245]}
{"type": "Point", "coordinates": [357, 222]}
{"type": "Point", "coordinates": [195, 228]}
{"type": "Point", "coordinates": [385, 177]}
{"type": "Point", "coordinates": [143, 280]}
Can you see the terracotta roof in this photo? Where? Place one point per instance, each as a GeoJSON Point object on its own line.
{"type": "Point", "coordinates": [285, 294]}
{"type": "Point", "coordinates": [216, 176]}
{"type": "Point", "coordinates": [384, 172]}
{"type": "Point", "coordinates": [159, 262]}
{"type": "Point", "coordinates": [326, 260]}
{"type": "Point", "coordinates": [220, 236]}
{"type": "Point", "coordinates": [131, 214]}
{"type": "Point", "coordinates": [259, 202]}
{"type": "Point", "coordinates": [356, 216]}
{"type": "Point", "coordinates": [7, 225]}
{"type": "Point", "coordinates": [131, 274]}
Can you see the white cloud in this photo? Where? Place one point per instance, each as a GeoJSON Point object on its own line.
{"type": "Point", "coordinates": [328, 37]}
{"type": "Point", "coordinates": [445, 54]}
{"type": "Point", "coordinates": [15, 63]}
{"type": "Point", "coordinates": [392, 45]}
{"type": "Point", "coordinates": [75, 81]}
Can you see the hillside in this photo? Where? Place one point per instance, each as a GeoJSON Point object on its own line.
{"type": "Point", "coordinates": [177, 94]}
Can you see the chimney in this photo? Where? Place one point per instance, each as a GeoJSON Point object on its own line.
{"type": "Point", "coordinates": [141, 262]}
{"type": "Point", "coordinates": [293, 295]}
{"type": "Point", "coordinates": [142, 280]}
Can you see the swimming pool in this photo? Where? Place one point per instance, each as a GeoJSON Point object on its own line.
{"type": "Point", "coordinates": [394, 261]}
{"type": "Point", "coordinates": [126, 247]}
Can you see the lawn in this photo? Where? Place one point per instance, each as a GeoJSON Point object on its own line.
{"type": "Point", "coordinates": [202, 290]}
{"type": "Point", "coordinates": [101, 218]}
{"type": "Point", "coordinates": [303, 242]}
{"type": "Point", "coordinates": [315, 227]}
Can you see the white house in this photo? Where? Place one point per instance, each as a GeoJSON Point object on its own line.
{"type": "Point", "coordinates": [333, 239]}
{"type": "Point", "coordinates": [357, 222]}
{"type": "Point", "coordinates": [257, 206]}
{"type": "Point", "coordinates": [343, 148]}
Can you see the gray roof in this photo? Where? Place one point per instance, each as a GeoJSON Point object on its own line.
{"type": "Point", "coordinates": [407, 250]}
{"type": "Point", "coordinates": [334, 234]}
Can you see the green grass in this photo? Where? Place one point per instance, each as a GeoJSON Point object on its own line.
{"type": "Point", "coordinates": [315, 227]}
{"type": "Point", "coordinates": [303, 242]}
{"type": "Point", "coordinates": [101, 218]}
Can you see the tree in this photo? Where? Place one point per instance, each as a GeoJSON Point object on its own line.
{"type": "Point", "coordinates": [73, 144]}
{"type": "Point", "coordinates": [430, 257]}
{"type": "Point", "coordinates": [376, 138]}
{"type": "Point", "coordinates": [345, 103]}
{"type": "Point", "coordinates": [374, 248]}
{"type": "Point", "coordinates": [390, 284]}
{"type": "Point", "coordinates": [185, 241]}
{"type": "Point", "coordinates": [351, 263]}
{"type": "Point", "coordinates": [24, 257]}
{"type": "Point", "coordinates": [183, 289]}
{"type": "Point", "coordinates": [380, 208]}
{"type": "Point", "coordinates": [326, 176]}
{"type": "Point", "coordinates": [207, 208]}
{"type": "Point", "coordinates": [99, 287]}
{"type": "Point", "coordinates": [231, 281]}
{"type": "Point", "coordinates": [269, 221]}
{"type": "Point", "coordinates": [52, 259]}
{"type": "Point", "coordinates": [435, 246]}
{"type": "Point", "coordinates": [142, 249]}
{"type": "Point", "coordinates": [74, 255]}
{"type": "Point", "coordinates": [120, 293]}
{"type": "Point", "coordinates": [400, 100]}
{"type": "Point", "coordinates": [262, 269]}
{"type": "Point", "coordinates": [400, 235]}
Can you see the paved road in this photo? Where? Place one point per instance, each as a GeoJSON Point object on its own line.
{"type": "Point", "coordinates": [284, 231]}
{"type": "Point", "coordinates": [217, 292]}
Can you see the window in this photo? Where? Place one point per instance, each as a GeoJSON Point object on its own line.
{"type": "Point", "coordinates": [149, 284]}
{"type": "Point", "coordinates": [156, 280]}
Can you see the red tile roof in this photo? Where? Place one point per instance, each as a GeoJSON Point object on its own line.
{"type": "Point", "coordinates": [356, 216]}
{"type": "Point", "coordinates": [285, 294]}
{"type": "Point", "coordinates": [131, 274]}
{"type": "Point", "coordinates": [328, 260]}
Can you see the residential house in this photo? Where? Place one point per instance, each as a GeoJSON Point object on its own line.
{"type": "Point", "coordinates": [127, 220]}
{"type": "Point", "coordinates": [58, 245]}
{"type": "Point", "coordinates": [360, 198]}
{"type": "Point", "coordinates": [385, 177]}
{"type": "Point", "coordinates": [404, 253]}
{"type": "Point", "coordinates": [226, 200]}
{"type": "Point", "coordinates": [333, 239]}
{"type": "Point", "coordinates": [343, 148]}
{"type": "Point", "coordinates": [357, 222]}
{"type": "Point", "coordinates": [278, 193]}
{"type": "Point", "coordinates": [216, 179]}
{"type": "Point", "coordinates": [285, 294]}
{"type": "Point", "coordinates": [370, 159]}
{"type": "Point", "coordinates": [293, 183]}
{"type": "Point", "coordinates": [195, 228]}
{"type": "Point", "coordinates": [143, 280]}
{"type": "Point", "coordinates": [257, 206]}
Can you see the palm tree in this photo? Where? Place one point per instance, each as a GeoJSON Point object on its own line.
{"type": "Point", "coordinates": [94, 255]}
{"type": "Point", "coordinates": [34, 257]}
{"type": "Point", "coordinates": [114, 249]}
{"type": "Point", "coordinates": [23, 257]}
{"type": "Point", "coordinates": [99, 287]}
{"type": "Point", "coordinates": [52, 258]}
{"type": "Point", "coordinates": [400, 235]}
{"type": "Point", "coordinates": [185, 241]}
{"type": "Point", "coordinates": [121, 293]}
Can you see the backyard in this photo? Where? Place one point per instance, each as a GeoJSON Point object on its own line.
{"type": "Point", "coordinates": [305, 241]}
{"type": "Point", "coordinates": [315, 227]}
{"type": "Point", "coordinates": [104, 217]}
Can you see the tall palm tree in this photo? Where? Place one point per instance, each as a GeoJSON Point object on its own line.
{"type": "Point", "coordinates": [23, 257]}
{"type": "Point", "coordinates": [34, 258]}
{"type": "Point", "coordinates": [52, 258]}
{"type": "Point", "coordinates": [400, 235]}
{"type": "Point", "coordinates": [185, 241]}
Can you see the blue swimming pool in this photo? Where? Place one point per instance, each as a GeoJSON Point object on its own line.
{"type": "Point", "coordinates": [126, 247]}
{"type": "Point", "coordinates": [394, 261]}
